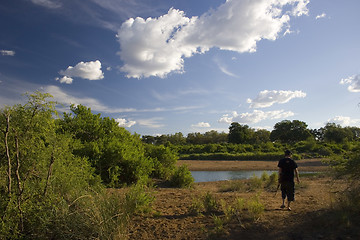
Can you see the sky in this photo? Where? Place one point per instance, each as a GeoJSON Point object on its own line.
{"type": "Point", "coordinates": [167, 66]}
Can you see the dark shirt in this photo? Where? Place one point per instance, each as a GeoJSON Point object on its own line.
{"type": "Point", "coordinates": [287, 166]}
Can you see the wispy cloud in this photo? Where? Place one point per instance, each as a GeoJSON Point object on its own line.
{"type": "Point", "coordinates": [223, 68]}
{"type": "Point", "coordinates": [52, 4]}
{"type": "Point", "coordinates": [7, 53]}
{"type": "Point", "coordinates": [151, 122]}
{"type": "Point", "coordinates": [96, 105]}
{"type": "Point", "coordinates": [323, 15]}
{"type": "Point", "coordinates": [178, 94]}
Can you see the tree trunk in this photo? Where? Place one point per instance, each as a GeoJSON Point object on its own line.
{"type": "Point", "coordinates": [8, 152]}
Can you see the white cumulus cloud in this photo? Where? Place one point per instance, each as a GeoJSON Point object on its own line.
{"type": "Point", "coordinates": [65, 79]}
{"type": "Point", "coordinates": [7, 53]}
{"type": "Point", "coordinates": [86, 70]}
{"type": "Point", "coordinates": [158, 46]}
{"type": "Point", "coordinates": [254, 117]}
{"type": "Point", "coordinates": [267, 98]}
{"type": "Point", "coordinates": [353, 82]}
{"type": "Point", "coordinates": [344, 121]}
{"type": "Point", "coordinates": [201, 125]}
{"type": "Point", "coordinates": [125, 123]}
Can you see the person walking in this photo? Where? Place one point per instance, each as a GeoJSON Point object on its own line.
{"type": "Point", "coordinates": [287, 169]}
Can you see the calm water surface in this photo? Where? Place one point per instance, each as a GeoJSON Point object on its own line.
{"type": "Point", "coordinates": [210, 176]}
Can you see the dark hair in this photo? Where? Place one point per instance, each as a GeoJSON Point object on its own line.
{"type": "Point", "coordinates": [288, 152]}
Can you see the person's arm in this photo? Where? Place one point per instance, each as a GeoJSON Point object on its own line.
{"type": "Point", "coordinates": [297, 175]}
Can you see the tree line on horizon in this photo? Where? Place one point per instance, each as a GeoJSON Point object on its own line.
{"type": "Point", "coordinates": [285, 132]}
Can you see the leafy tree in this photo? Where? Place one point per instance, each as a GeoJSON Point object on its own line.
{"type": "Point", "coordinates": [240, 133]}
{"type": "Point", "coordinates": [261, 136]}
{"type": "Point", "coordinates": [336, 133]}
{"type": "Point", "coordinates": [39, 176]}
{"type": "Point", "coordinates": [288, 131]}
{"type": "Point", "coordinates": [117, 156]}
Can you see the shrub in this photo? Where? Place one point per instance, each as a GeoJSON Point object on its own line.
{"type": "Point", "coordinates": [272, 182]}
{"type": "Point", "coordinates": [182, 177]}
{"type": "Point", "coordinates": [255, 183]}
{"type": "Point", "coordinates": [255, 208]}
{"type": "Point", "coordinates": [210, 203]}
{"type": "Point", "coordinates": [164, 160]}
{"type": "Point", "coordinates": [196, 207]}
{"type": "Point", "coordinates": [139, 199]}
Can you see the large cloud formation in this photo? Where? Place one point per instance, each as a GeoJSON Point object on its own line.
{"type": "Point", "coordinates": [267, 98]}
{"type": "Point", "coordinates": [86, 70]}
{"type": "Point", "coordinates": [158, 46]}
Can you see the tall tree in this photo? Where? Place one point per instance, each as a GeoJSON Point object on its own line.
{"type": "Point", "coordinates": [336, 133]}
{"type": "Point", "coordinates": [240, 133]}
{"type": "Point", "coordinates": [38, 168]}
{"type": "Point", "coordinates": [288, 131]}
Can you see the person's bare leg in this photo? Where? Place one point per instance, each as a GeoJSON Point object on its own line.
{"type": "Point", "coordinates": [283, 203]}
{"type": "Point", "coordinates": [289, 202]}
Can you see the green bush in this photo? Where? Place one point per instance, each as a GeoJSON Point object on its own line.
{"type": "Point", "coordinates": [164, 160]}
{"type": "Point", "coordinates": [182, 177]}
{"type": "Point", "coordinates": [197, 207]}
{"type": "Point", "coordinates": [210, 203]}
{"type": "Point", "coordinates": [139, 199]}
{"type": "Point", "coordinates": [255, 208]}
{"type": "Point", "coordinates": [255, 183]}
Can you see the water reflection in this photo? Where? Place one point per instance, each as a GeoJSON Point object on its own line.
{"type": "Point", "coordinates": [210, 176]}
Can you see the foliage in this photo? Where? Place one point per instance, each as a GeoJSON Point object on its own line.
{"type": "Point", "coordinates": [239, 133]}
{"type": "Point", "coordinates": [46, 191]}
{"type": "Point", "coordinates": [182, 177]}
{"type": "Point", "coordinates": [197, 207]}
{"type": "Point", "coordinates": [164, 160]}
{"type": "Point", "coordinates": [118, 157]}
{"type": "Point", "coordinates": [288, 131]}
{"type": "Point", "coordinates": [210, 203]}
{"type": "Point", "coordinates": [255, 208]}
{"type": "Point", "coordinates": [139, 199]}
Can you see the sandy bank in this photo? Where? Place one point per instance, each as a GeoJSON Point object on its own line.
{"type": "Point", "coordinates": [315, 165]}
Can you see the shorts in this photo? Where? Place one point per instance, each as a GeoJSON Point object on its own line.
{"type": "Point", "coordinates": [288, 190]}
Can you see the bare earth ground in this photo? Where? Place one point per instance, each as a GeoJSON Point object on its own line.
{"type": "Point", "coordinates": [307, 220]}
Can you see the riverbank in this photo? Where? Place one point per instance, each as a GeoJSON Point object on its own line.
{"type": "Point", "coordinates": [308, 165]}
{"type": "Point", "coordinates": [312, 216]}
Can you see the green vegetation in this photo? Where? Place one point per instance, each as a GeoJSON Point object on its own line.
{"type": "Point", "coordinates": [55, 169]}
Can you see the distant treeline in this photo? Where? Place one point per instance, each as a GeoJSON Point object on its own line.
{"type": "Point", "coordinates": [245, 143]}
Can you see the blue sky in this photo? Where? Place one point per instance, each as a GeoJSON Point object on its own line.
{"type": "Point", "coordinates": [161, 67]}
